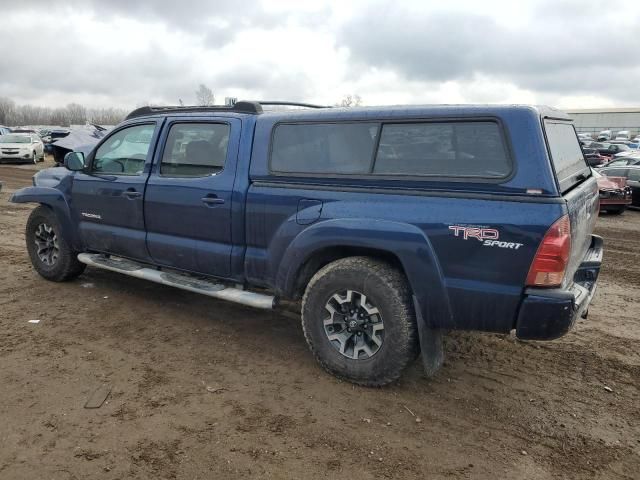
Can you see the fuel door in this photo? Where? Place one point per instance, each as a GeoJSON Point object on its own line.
{"type": "Point", "coordinates": [308, 211]}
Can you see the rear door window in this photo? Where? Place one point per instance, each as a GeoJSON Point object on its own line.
{"type": "Point", "coordinates": [195, 150]}
{"type": "Point", "coordinates": [566, 154]}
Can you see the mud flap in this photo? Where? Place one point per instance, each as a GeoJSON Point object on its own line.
{"type": "Point", "coordinates": [430, 343]}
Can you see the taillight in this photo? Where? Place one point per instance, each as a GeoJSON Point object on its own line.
{"type": "Point", "coordinates": [550, 262]}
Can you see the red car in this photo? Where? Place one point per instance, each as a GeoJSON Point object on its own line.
{"type": "Point", "coordinates": [615, 195]}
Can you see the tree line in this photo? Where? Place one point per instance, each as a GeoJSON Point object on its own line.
{"type": "Point", "coordinates": [13, 115]}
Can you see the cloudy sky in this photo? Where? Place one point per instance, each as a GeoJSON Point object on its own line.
{"type": "Point", "coordinates": [125, 53]}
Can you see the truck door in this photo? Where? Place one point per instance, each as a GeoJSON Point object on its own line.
{"type": "Point", "coordinates": [107, 198]}
{"type": "Point", "coordinates": [188, 198]}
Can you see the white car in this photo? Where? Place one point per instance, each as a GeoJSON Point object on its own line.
{"type": "Point", "coordinates": [26, 148]}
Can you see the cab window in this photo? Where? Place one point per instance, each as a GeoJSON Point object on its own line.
{"type": "Point", "coordinates": [124, 152]}
{"type": "Point", "coordinates": [195, 150]}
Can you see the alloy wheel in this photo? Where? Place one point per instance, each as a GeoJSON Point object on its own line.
{"type": "Point", "coordinates": [46, 242]}
{"type": "Point", "coordinates": [354, 325]}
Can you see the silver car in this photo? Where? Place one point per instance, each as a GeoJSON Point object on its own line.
{"type": "Point", "coordinates": [20, 147]}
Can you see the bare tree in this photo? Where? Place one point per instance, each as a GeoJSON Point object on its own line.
{"type": "Point", "coordinates": [73, 114]}
{"type": "Point", "coordinates": [106, 116]}
{"type": "Point", "coordinates": [7, 110]}
{"type": "Point", "coordinates": [204, 95]}
{"type": "Point", "coordinates": [59, 116]}
{"type": "Point", "coordinates": [350, 100]}
{"type": "Point", "coordinates": [76, 114]}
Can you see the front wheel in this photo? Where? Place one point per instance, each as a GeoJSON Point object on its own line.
{"type": "Point", "coordinates": [358, 319]}
{"type": "Point", "coordinates": [34, 158]}
{"type": "Point", "coordinates": [50, 253]}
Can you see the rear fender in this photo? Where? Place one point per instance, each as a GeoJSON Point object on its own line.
{"type": "Point", "coordinates": [56, 201]}
{"type": "Point", "coordinates": [406, 242]}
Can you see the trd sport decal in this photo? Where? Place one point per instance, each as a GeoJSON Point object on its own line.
{"type": "Point", "coordinates": [490, 237]}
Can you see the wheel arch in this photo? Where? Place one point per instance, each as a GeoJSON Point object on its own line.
{"type": "Point", "coordinates": [402, 245]}
{"type": "Point", "coordinates": [56, 202]}
{"type": "Point", "coordinates": [322, 257]}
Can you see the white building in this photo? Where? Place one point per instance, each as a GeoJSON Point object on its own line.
{"type": "Point", "coordinates": [594, 120]}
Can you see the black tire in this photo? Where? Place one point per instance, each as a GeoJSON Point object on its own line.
{"type": "Point", "coordinates": [60, 261]}
{"type": "Point", "coordinates": [34, 159]}
{"type": "Point", "coordinates": [386, 291]}
{"type": "Point", "coordinates": [617, 211]}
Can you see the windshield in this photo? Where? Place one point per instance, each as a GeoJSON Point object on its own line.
{"type": "Point", "coordinates": [15, 139]}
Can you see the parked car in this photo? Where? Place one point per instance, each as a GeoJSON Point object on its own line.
{"type": "Point", "coordinates": [51, 137]}
{"type": "Point", "coordinates": [614, 193]}
{"type": "Point", "coordinates": [632, 174]}
{"type": "Point", "coordinates": [29, 131]}
{"type": "Point", "coordinates": [604, 135]}
{"type": "Point", "coordinates": [585, 136]}
{"type": "Point", "coordinates": [594, 159]}
{"type": "Point", "coordinates": [623, 135]}
{"type": "Point", "coordinates": [623, 161]}
{"type": "Point", "coordinates": [609, 150]}
{"type": "Point", "coordinates": [21, 147]}
{"type": "Point", "coordinates": [622, 150]}
{"type": "Point", "coordinates": [390, 225]}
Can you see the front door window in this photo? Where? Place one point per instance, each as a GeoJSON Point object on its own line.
{"type": "Point", "coordinates": [125, 152]}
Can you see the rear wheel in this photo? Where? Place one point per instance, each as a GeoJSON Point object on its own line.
{"type": "Point", "coordinates": [359, 321]}
{"type": "Point", "coordinates": [50, 253]}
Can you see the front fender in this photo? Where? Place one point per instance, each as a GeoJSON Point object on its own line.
{"type": "Point", "coordinates": [55, 200]}
{"type": "Point", "coordinates": [407, 242]}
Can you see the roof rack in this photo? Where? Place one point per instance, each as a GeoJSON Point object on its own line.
{"type": "Point", "coordinates": [242, 106]}
{"type": "Point", "coordinates": [292, 104]}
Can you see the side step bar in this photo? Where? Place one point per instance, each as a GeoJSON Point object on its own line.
{"type": "Point", "coordinates": [184, 282]}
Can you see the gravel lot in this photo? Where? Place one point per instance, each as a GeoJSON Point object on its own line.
{"type": "Point", "coordinates": [206, 389]}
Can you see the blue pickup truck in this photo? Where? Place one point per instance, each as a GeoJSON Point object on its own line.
{"type": "Point", "coordinates": [388, 226]}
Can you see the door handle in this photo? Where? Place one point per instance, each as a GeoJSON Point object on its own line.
{"type": "Point", "coordinates": [131, 194]}
{"type": "Point", "coordinates": [211, 200]}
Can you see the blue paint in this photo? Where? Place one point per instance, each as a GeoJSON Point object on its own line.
{"type": "Point", "coordinates": [266, 227]}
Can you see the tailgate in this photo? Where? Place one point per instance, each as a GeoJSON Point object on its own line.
{"type": "Point", "coordinates": [582, 206]}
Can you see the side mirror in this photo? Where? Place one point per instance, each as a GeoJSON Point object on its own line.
{"type": "Point", "coordinates": [74, 161]}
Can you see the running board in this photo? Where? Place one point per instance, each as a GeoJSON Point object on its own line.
{"type": "Point", "coordinates": [184, 282]}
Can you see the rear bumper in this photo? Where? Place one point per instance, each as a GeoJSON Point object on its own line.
{"type": "Point", "coordinates": [546, 314]}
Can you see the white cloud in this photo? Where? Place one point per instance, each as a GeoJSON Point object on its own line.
{"type": "Point", "coordinates": [122, 53]}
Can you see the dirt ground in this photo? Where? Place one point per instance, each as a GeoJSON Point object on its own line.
{"type": "Point", "coordinates": [203, 389]}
